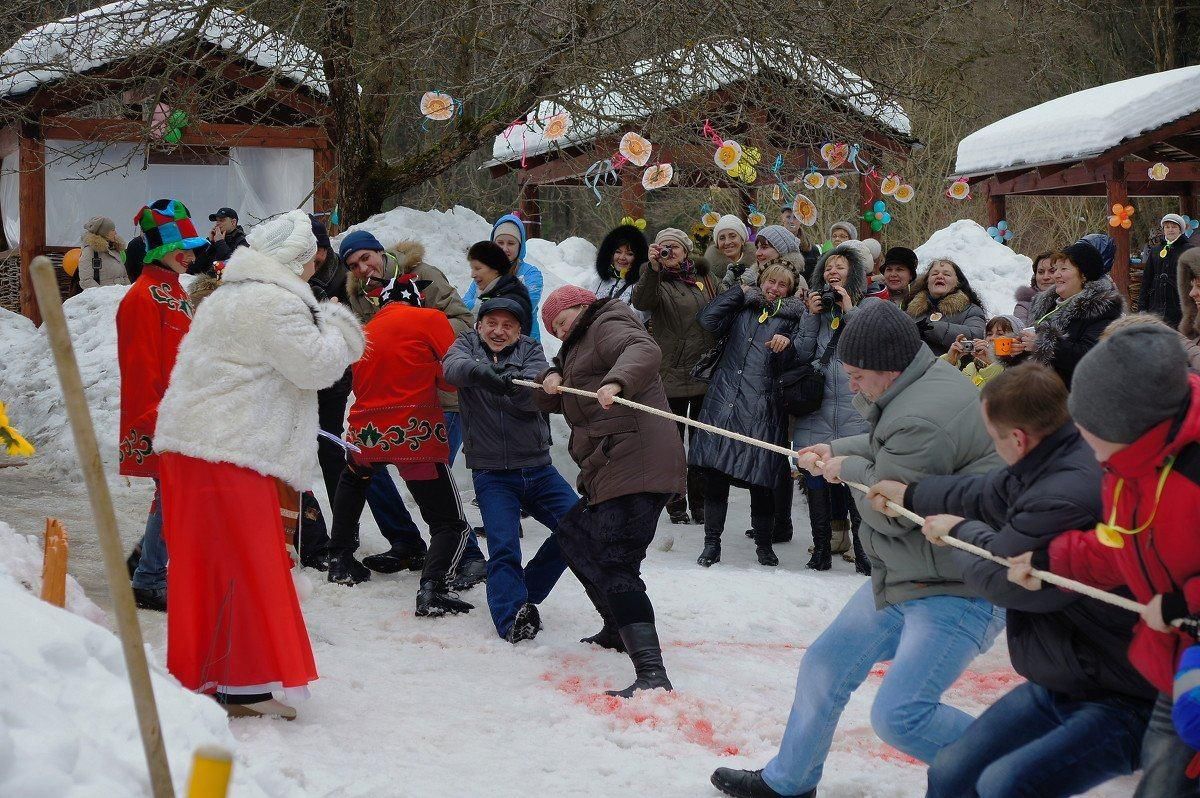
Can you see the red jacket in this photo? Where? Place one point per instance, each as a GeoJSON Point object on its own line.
{"type": "Point", "coordinates": [1165, 558]}
{"type": "Point", "coordinates": [396, 417]}
{"type": "Point", "coordinates": [151, 321]}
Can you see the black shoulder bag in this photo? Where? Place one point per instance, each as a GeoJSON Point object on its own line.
{"type": "Point", "coordinates": [802, 389]}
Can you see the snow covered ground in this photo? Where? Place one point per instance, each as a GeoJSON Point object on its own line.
{"type": "Point", "coordinates": [409, 706]}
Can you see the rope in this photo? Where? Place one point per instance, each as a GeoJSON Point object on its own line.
{"type": "Point", "coordinates": [1045, 576]}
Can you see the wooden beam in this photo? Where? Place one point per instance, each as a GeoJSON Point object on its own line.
{"type": "Point", "coordinates": [1118, 194]}
{"type": "Point", "coordinates": [197, 134]}
{"type": "Point", "coordinates": [233, 72]}
{"type": "Point", "coordinates": [997, 209]}
{"type": "Point", "coordinates": [530, 208]}
{"type": "Point", "coordinates": [1187, 146]}
{"type": "Point", "coordinates": [32, 193]}
{"type": "Point", "coordinates": [1185, 124]}
{"type": "Point", "coordinates": [1030, 182]}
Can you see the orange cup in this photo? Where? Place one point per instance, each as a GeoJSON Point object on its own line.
{"type": "Point", "coordinates": [1004, 345]}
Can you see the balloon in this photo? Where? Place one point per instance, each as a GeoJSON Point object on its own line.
{"type": "Point", "coordinates": [887, 218]}
{"type": "Point", "coordinates": [173, 136]}
{"type": "Point", "coordinates": [1126, 223]}
{"type": "Point", "coordinates": [992, 231]}
{"type": "Point", "coordinates": [1114, 221]}
{"type": "Point", "coordinates": [878, 215]}
{"type": "Point", "coordinates": [876, 226]}
{"type": "Point", "coordinates": [878, 206]}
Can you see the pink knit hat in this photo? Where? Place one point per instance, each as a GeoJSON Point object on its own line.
{"type": "Point", "coordinates": [562, 298]}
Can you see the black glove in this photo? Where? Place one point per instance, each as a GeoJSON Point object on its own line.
{"type": "Point", "coordinates": [924, 325]}
{"type": "Point", "coordinates": [493, 380]}
{"type": "Point", "coordinates": [737, 269]}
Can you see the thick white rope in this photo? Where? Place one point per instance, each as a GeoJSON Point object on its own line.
{"type": "Point", "coordinates": [1045, 576]}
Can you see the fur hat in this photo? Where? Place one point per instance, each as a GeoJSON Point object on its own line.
{"type": "Point", "coordinates": [562, 298]}
{"type": "Point", "coordinates": [849, 227]}
{"type": "Point", "coordinates": [629, 236]}
{"type": "Point", "coordinates": [902, 256]}
{"type": "Point", "coordinates": [731, 222]}
{"type": "Point", "coordinates": [287, 238]}
{"type": "Point", "coordinates": [490, 255]}
{"type": "Point", "coordinates": [1189, 269]}
{"type": "Point", "coordinates": [780, 238]}
{"type": "Point", "coordinates": [860, 266]}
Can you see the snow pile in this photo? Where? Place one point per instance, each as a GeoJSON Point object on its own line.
{"type": "Point", "coordinates": [1082, 124]}
{"type": "Point", "coordinates": [61, 674]}
{"type": "Point", "coordinates": [994, 270]}
{"type": "Point", "coordinates": [122, 30]}
{"type": "Point", "coordinates": [21, 556]}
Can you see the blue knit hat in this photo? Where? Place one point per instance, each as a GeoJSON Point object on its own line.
{"type": "Point", "coordinates": [354, 241]}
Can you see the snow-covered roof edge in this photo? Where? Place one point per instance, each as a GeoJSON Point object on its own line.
{"type": "Point", "coordinates": [117, 31]}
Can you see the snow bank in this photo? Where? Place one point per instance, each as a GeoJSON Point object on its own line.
{"type": "Point", "coordinates": [21, 555]}
{"type": "Point", "coordinates": [994, 270]}
{"type": "Point", "coordinates": [61, 674]}
{"type": "Point", "coordinates": [1082, 124]}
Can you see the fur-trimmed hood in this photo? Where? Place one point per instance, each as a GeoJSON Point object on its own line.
{"type": "Point", "coordinates": [1024, 293]}
{"type": "Point", "coordinates": [791, 308]}
{"type": "Point", "coordinates": [1189, 269]}
{"type": "Point", "coordinates": [631, 237]}
{"type": "Point", "coordinates": [101, 244]}
{"type": "Point", "coordinates": [952, 304]}
{"type": "Point", "coordinates": [1097, 299]}
{"type": "Point", "coordinates": [860, 265]}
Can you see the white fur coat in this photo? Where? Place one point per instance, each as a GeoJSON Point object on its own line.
{"type": "Point", "coordinates": [244, 387]}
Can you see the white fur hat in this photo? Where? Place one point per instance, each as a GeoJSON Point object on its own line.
{"type": "Point", "coordinates": [1176, 218]}
{"type": "Point", "coordinates": [874, 247]}
{"type": "Point", "coordinates": [731, 222]}
{"type": "Point", "coordinates": [287, 238]}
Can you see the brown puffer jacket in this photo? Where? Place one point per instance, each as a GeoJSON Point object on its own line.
{"type": "Point", "coordinates": [674, 307]}
{"type": "Point", "coordinates": [620, 451]}
{"type": "Point", "coordinates": [405, 257]}
{"type": "Point", "coordinates": [1189, 269]}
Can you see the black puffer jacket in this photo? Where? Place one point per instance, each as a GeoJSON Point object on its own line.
{"type": "Point", "coordinates": [743, 395]}
{"type": "Point", "coordinates": [1160, 292]}
{"type": "Point", "coordinates": [1070, 333]}
{"type": "Point", "coordinates": [1060, 640]}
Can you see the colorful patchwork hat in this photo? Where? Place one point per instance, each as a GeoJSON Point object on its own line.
{"type": "Point", "coordinates": [167, 227]}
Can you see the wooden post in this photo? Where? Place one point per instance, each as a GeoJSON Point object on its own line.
{"type": "Point", "coordinates": [633, 195]}
{"type": "Point", "coordinates": [997, 209]}
{"type": "Point", "coordinates": [1117, 192]}
{"type": "Point", "coordinates": [868, 192]}
{"type": "Point", "coordinates": [54, 564]}
{"type": "Point", "coordinates": [88, 451]}
{"type": "Point", "coordinates": [1188, 202]}
{"type": "Point", "coordinates": [31, 161]}
{"type": "Point", "coordinates": [325, 183]}
{"type": "Point", "coordinates": [530, 208]}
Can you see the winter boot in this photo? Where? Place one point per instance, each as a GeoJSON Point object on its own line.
{"type": "Point", "coordinates": [762, 540]}
{"type": "Point", "coordinates": [345, 570]}
{"type": "Point", "coordinates": [841, 509]}
{"type": "Point", "coordinates": [839, 534]}
{"type": "Point", "coordinates": [781, 524]}
{"type": "Point", "coordinates": [819, 519]}
{"type": "Point", "coordinates": [677, 511]}
{"type": "Point", "coordinates": [470, 573]}
{"type": "Point", "coordinates": [695, 493]}
{"type": "Point", "coordinates": [261, 709]}
{"type": "Point", "coordinates": [150, 599]}
{"type": "Point", "coordinates": [861, 564]}
{"type": "Point", "coordinates": [395, 559]}
{"type": "Point", "coordinates": [608, 636]}
{"type": "Point", "coordinates": [526, 625]}
{"type": "Point", "coordinates": [434, 600]}
{"type": "Point", "coordinates": [714, 524]}
{"type": "Point", "coordinates": [851, 555]}
{"type": "Point", "coordinates": [641, 642]}
{"type": "Point", "coordinates": [748, 784]}
{"type": "Point", "coordinates": [135, 557]}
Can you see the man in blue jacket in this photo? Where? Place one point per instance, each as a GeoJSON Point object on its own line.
{"type": "Point", "coordinates": [506, 440]}
{"type": "Point", "coordinates": [1080, 718]}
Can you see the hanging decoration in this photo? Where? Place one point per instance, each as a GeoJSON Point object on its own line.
{"type": "Point", "coordinates": [1190, 225]}
{"type": "Point", "coordinates": [905, 193]}
{"type": "Point", "coordinates": [556, 126]}
{"type": "Point", "coordinates": [835, 155]}
{"type": "Point", "coordinates": [878, 217]}
{"type": "Point", "coordinates": [805, 210]}
{"type": "Point", "coordinates": [657, 176]}
{"type": "Point", "coordinates": [167, 125]}
{"type": "Point", "coordinates": [600, 171]}
{"type": "Point", "coordinates": [756, 218]}
{"type": "Point", "coordinates": [959, 190]}
{"type": "Point", "coordinates": [780, 192]}
{"type": "Point", "coordinates": [1158, 172]}
{"type": "Point", "coordinates": [1121, 216]}
{"type": "Point", "coordinates": [776, 194]}
{"type": "Point", "coordinates": [814, 179]}
{"type": "Point", "coordinates": [890, 185]}
{"type": "Point", "coordinates": [638, 223]}
{"type": "Point", "coordinates": [709, 217]}
{"type": "Point", "coordinates": [635, 148]}
{"type": "Point", "coordinates": [737, 161]}
{"type": "Point", "coordinates": [1000, 232]}
{"type": "Point", "coordinates": [437, 106]}
{"type": "Point", "coordinates": [833, 181]}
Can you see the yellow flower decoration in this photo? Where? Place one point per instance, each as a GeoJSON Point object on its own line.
{"type": "Point", "coordinates": [728, 156]}
{"type": "Point", "coordinates": [814, 180]}
{"type": "Point", "coordinates": [638, 223]}
{"type": "Point", "coordinates": [557, 126]}
{"type": "Point", "coordinates": [805, 210]}
{"type": "Point", "coordinates": [14, 443]}
{"type": "Point", "coordinates": [710, 219]}
{"type": "Point", "coordinates": [437, 106]}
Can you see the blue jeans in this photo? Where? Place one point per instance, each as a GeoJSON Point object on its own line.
{"type": "Point", "coordinates": [930, 642]}
{"type": "Point", "coordinates": [393, 518]}
{"type": "Point", "coordinates": [454, 439]}
{"type": "Point", "coordinates": [1165, 758]}
{"type": "Point", "coordinates": [547, 497]}
{"type": "Point", "coordinates": [151, 573]}
{"type": "Point", "coordinates": [1033, 742]}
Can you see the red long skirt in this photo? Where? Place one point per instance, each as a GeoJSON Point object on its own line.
{"type": "Point", "coordinates": [233, 619]}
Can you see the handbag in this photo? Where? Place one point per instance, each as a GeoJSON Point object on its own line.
{"type": "Point", "coordinates": [703, 370]}
{"type": "Point", "coordinates": [802, 390]}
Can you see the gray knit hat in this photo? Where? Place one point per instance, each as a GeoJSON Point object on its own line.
{"type": "Point", "coordinates": [781, 238]}
{"type": "Point", "coordinates": [879, 336]}
{"type": "Point", "coordinates": [100, 225]}
{"type": "Point", "coordinates": [1130, 382]}
{"type": "Point", "coordinates": [849, 227]}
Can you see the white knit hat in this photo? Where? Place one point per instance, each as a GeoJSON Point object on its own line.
{"type": "Point", "coordinates": [1176, 218]}
{"type": "Point", "coordinates": [873, 247]}
{"type": "Point", "coordinates": [287, 238]}
{"type": "Point", "coordinates": [730, 222]}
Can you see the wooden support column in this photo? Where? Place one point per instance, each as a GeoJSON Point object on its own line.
{"type": "Point", "coordinates": [32, 192]}
{"type": "Point", "coordinates": [868, 192]}
{"type": "Point", "coordinates": [325, 182]}
{"type": "Point", "coordinates": [997, 209]}
{"type": "Point", "coordinates": [1188, 202]}
{"type": "Point", "coordinates": [1117, 192]}
{"type": "Point", "coordinates": [633, 194]}
{"type": "Point", "coordinates": [530, 208]}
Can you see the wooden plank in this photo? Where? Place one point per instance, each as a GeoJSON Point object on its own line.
{"type": "Point", "coordinates": [1031, 182]}
{"type": "Point", "coordinates": [32, 194]}
{"type": "Point", "coordinates": [1118, 193]}
{"type": "Point", "coordinates": [54, 564]}
{"type": "Point", "coordinates": [198, 134]}
{"type": "Point", "coordinates": [529, 206]}
{"type": "Point", "coordinates": [1162, 133]}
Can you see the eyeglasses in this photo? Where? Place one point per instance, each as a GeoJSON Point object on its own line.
{"type": "Point", "coordinates": [1110, 534]}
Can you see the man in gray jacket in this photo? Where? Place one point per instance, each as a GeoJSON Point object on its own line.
{"type": "Point", "coordinates": [506, 440]}
{"type": "Point", "coordinates": [925, 419]}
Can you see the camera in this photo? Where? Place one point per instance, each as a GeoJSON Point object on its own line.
{"type": "Point", "coordinates": [829, 299]}
{"type": "Point", "coordinates": [968, 345]}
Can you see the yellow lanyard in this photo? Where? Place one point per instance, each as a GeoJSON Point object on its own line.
{"type": "Point", "coordinates": [623, 272]}
{"type": "Point", "coordinates": [768, 313]}
{"type": "Point", "coordinates": [1051, 313]}
{"type": "Point", "coordinates": [1110, 534]}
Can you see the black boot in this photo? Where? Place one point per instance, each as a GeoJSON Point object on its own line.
{"type": "Point", "coordinates": [345, 570]}
{"type": "Point", "coordinates": [748, 784]}
{"type": "Point", "coordinates": [434, 600]}
{"type": "Point", "coordinates": [395, 559]}
{"type": "Point", "coordinates": [150, 599]}
{"type": "Point", "coordinates": [861, 564]}
{"type": "Point", "coordinates": [781, 526]}
{"type": "Point", "coordinates": [526, 625]}
{"type": "Point", "coordinates": [677, 511]}
{"type": "Point", "coordinates": [608, 636]}
{"type": "Point", "coordinates": [135, 557]}
{"type": "Point", "coordinates": [695, 493]}
{"type": "Point", "coordinates": [762, 540]}
{"type": "Point", "coordinates": [820, 519]}
{"type": "Point", "coordinates": [470, 573]}
{"type": "Point", "coordinates": [641, 642]}
{"type": "Point", "coordinates": [714, 524]}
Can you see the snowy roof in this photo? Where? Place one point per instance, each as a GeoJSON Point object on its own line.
{"type": "Point", "coordinates": [117, 31]}
{"type": "Point", "coordinates": [1082, 124]}
{"type": "Point", "coordinates": [678, 77]}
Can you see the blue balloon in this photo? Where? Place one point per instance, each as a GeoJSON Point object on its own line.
{"type": "Point", "coordinates": [1002, 225]}
{"type": "Point", "coordinates": [887, 218]}
{"type": "Point", "coordinates": [993, 231]}
{"type": "Point", "coordinates": [879, 207]}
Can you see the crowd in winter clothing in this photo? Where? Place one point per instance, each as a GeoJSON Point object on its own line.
{"type": "Point", "coordinates": [1062, 436]}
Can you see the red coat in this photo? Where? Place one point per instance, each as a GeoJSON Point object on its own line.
{"type": "Point", "coordinates": [1165, 558]}
{"type": "Point", "coordinates": [396, 417]}
{"type": "Point", "coordinates": [151, 321]}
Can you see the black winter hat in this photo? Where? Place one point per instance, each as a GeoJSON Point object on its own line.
{"type": "Point", "coordinates": [320, 233]}
{"type": "Point", "coordinates": [879, 336]}
{"type": "Point", "coordinates": [901, 256]}
{"type": "Point", "coordinates": [1087, 259]}
{"type": "Point", "coordinates": [490, 255]}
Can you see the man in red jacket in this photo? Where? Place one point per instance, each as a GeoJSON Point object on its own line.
{"type": "Point", "coordinates": [151, 321]}
{"type": "Point", "coordinates": [396, 419]}
{"type": "Point", "coordinates": [1138, 407]}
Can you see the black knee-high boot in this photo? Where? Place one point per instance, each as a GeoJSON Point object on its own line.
{"type": "Point", "coordinates": [761, 524]}
{"type": "Point", "coordinates": [861, 563]}
{"type": "Point", "coordinates": [695, 494]}
{"type": "Point", "coordinates": [608, 637]}
{"type": "Point", "coordinates": [820, 517]}
{"type": "Point", "coordinates": [714, 524]}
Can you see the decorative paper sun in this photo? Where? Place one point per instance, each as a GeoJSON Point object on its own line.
{"type": "Point", "coordinates": [437, 106]}
{"type": "Point", "coordinates": [657, 176]}
{"type": "Point", "coordinates": [636, 149]}
{"type": "Point", "coordinates": [805, 210]}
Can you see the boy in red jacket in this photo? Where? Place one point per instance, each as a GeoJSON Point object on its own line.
{"type": "Point", "coordinates": [151, 321]}
{"type": "Point", "coordinates": [397, 419]}
{"type": "Point", "coordinates": [1138, 407]}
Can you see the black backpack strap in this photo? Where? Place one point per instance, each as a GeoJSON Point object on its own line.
{"type": "Point", "coordinates": [1187, 462]}
{"type": "Point", "coordinates": [831, 347]}
{"type": "Point", "coordinates": [96, 266]}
